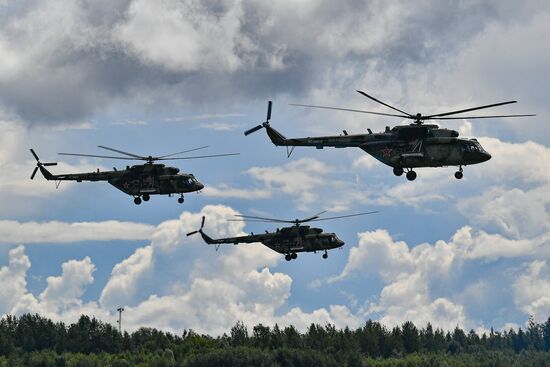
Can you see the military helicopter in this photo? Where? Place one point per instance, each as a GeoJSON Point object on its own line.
{"type": "Point", "coordinates": [402, 147]}
{"type": "Point", "coordinates": [287, 240]}
{"type": "Point", "coordinates": [140, 181]}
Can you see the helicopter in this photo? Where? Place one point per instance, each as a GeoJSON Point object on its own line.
{"type": "Point", "coordinates": [140, 181]}
{"type": "Point", "coordinates": [403, 147]}
{"type": "Point", "coordinates": [287, 240]}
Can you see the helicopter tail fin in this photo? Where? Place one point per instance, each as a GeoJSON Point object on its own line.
{"type": "Point", "coordinates": [42, 167]}
{"type": "Point", "coordinates": [204, 236]}
{"type": "Point", "coordinates": [276, 137]}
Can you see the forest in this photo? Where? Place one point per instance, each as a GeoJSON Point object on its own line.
{"type": "Point", "coordinates": [32, 340]}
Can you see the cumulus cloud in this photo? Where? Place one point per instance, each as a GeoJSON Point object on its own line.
{"type": "Point", "coordinates": [214, 290]}
{"type": "Point", "coordinates": [60, 300]}
{"type": "Point", "coordinates": [424, 283]}
{"type": "Point", "coordinates": [408, 275]}
{"type": "Point", "coordinates": [298, 178]}
{"type": "Point", "coordinates": [67, 289]}
{"type": "Point", "coordinates": [532, 290]}
{"type": "Point", "coordinates": [12, 279]}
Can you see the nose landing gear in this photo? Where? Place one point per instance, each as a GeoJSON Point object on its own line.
{"type": "Point", "coordinates": [325, 255]}
{"type": "Point", "coordinates": [180, 199]}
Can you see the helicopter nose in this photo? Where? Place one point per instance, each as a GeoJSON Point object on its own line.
{"type": "Point", "coordinates": [485, 156]}
{"type": "Point", "coordinates": [199, 186]}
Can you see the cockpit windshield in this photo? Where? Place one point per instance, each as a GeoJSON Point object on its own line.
{"type": "Point", "coordinates": [189, 180]}
{"type": "Point", "coordinates": [473, 146]}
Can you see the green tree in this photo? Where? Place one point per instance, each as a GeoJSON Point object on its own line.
{"type": "Point", "coordinates": [239, 334]}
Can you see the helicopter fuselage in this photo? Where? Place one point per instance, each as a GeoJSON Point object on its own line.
{"type": "Point", "coordinates": [407, 146]}
{"type": "Point", "coordinates": [286, 240]}
{"type": "Point", "coordinates": [138, 180]}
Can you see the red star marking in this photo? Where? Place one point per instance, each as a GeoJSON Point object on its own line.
{"type": "Point", "coordinates": [386, 152]}
{"type": "Point", "coordinates": [126, 185]}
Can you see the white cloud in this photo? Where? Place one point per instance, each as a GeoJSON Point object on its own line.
{"type": "Point", "coordinates": [13, 285]}
{"type": "Point", "coordinates": [209, 293]}
{"type": "Point", "coordinates": [66, 291]}
{"type": "Point", "coordinates": [14, 232]}
{"type": "Point", "coordinates": [408, 275]}
{"type": "Point", "coordinates": [424, 283]}
{"type": "Point", "coordinates": [298, 178]}
{"type": "Point", "coordinates": [183, 36]}
{"type": "Point", "coordinates": [513, 212]}
{"type": "Point", "coordinates": [224, 191]}
{"type": "Point", "coordinates": [532, 290]}
{"type": "Point", "coordinates": [126, 277]}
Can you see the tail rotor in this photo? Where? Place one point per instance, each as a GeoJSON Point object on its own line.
{"type": "Point", "coordinates": [198, 231]}
{"type": "Point", "coordinates": [39, 164]}
{"type": "Point", "coordinates": [263, 124]}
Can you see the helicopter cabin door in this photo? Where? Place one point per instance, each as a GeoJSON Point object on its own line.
{"type": "Point", "coordinates": [149, 184]}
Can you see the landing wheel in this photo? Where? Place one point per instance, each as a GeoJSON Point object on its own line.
{"type": "Point", "coordinates": [137, 200]}
{"type": "Point", "coordinates": [180, 200]}
{"type": "Point", "coordinates": [288, 257]}
{"type": "Point", "coordinates": [398, 171]}
{"type": "Point", "coordinates": [411, 175]}
{"type": "Point", "coordinates": [325, 255]}
{"type": "Point", "coordinates": [458, 175]}
{"type": "Point", "coordinates": [294, 255]}
{"type": "Point", "coordinates": [146, 197]}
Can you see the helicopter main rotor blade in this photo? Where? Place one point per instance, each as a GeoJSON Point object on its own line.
{"type": "Point", "coordinates": [122, 152]}
{"type": "Point", "coordinates": [50, 164]}
{"type": "Point", "coordinates": [310, 218]}
{"type": "Point", "coordinates": [259, 221]}
{"type": "Point", "coordinates": [468, 109]}
{"type": "Point", "coordinates": [248, 217]}
{"type": "Point", "coordinates": [101, 156]}
{"type": "Point", "coordinates": [349, 110]}
{"type": "Point", "coordinates": [185, 151]}
{"type": "Point", "coordinates": [196, 157]}
{"type": "Point", "coordinates": [478, 117]}
{"type": "Point", "coordinates": [385, 104]}
{"type": "Point", "coordinates": [343, 216]}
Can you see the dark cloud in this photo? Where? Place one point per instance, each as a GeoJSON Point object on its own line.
{"type": "Point", "coordinates": [98, 52]}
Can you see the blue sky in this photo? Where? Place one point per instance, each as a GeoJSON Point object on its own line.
{"type": "Point", "coordinates": [156, 78]}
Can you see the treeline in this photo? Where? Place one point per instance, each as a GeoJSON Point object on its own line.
{"type": "Point", "coordinates": [32, 340]}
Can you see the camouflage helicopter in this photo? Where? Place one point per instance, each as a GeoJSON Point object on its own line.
{"type": "Point", "coordinates": [287, 240]}
{"type": "Point", "coordinates": [140, 181]}
{"type": "Point", "coordinates": [402, 147]}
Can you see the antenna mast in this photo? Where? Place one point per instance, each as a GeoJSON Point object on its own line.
{"type": "Point", "coordinates": [119, 321]}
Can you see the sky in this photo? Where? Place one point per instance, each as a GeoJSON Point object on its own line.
{"type": "Point", "coordinates": [159, 77]}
